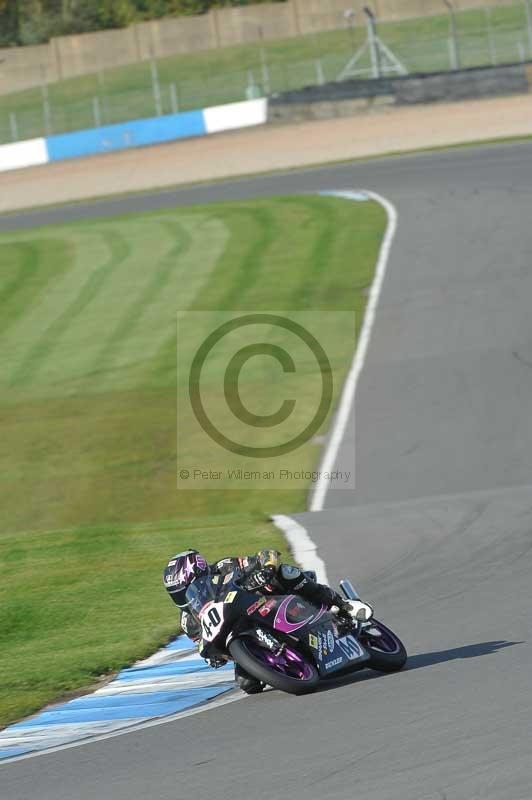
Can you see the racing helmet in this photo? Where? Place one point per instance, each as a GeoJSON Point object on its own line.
{"type": "Point", "coordinates": [179, 573]}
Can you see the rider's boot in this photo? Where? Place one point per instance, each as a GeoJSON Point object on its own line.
{"type": "Point", "coordinates": [247, 682]}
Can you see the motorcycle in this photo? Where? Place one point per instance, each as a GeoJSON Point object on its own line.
{"type": "Point", "coordinates": [285, 641]}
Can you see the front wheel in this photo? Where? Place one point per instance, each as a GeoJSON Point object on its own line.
{"type": "Point", "coordinates": [290, 672]}
{"type": "Point", "coordinates": [387, 652]}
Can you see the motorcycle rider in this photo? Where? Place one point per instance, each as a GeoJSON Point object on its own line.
{"type": "Point", "coordinates": [262, 572]}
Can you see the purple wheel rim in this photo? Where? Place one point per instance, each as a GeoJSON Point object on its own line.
{"type": "Point", "coordinates": [289, 663]}
{"type": "Point", "coordinates": [385, 642]}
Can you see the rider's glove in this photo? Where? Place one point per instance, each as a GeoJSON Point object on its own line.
{"type": "Point", "coordinates": [356, 610]}
{"type": "Point", "coordinates": [259, 578]}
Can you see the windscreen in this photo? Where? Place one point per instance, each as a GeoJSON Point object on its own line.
{"type": "Point", "coordinates": [200, 591]}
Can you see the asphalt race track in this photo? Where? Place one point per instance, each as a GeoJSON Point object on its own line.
{"type": "Point", "coordinates": [437, 535]}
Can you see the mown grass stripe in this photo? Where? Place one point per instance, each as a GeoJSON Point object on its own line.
{"type": "Point", "coordinates": [320, 245]}
{"type": "Point", "coordinates": [89, 251]}
{"type": "Point", "coordinates": [36, 359]}
{"type": "Point", "coordinates": [132, 315]}
{"type": "Point", "coordinates": [175, 283]}
{"type": "Point", "coordinates": [35, 269]}
{"type": "Point", "coordinates": [251, 264]}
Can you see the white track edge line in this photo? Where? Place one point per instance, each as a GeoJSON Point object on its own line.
{"type": "Point", "coordinates": [220, 701]}
{"type": "Point", "coordinates": [303, 548]}
{"type": "Point", "coordinates": [317, 498]}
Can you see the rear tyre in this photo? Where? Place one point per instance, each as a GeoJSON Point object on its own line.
{"type": "Point", "coordinates": [290, 672]}
{"type": "Point", "coordinates": [387, 652]}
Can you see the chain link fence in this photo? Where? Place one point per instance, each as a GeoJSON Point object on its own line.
{"type": "Point", "coordinates": [489, 36]}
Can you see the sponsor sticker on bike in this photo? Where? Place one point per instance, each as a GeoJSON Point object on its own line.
{"type": "Point", "coordinates": [266, 639]}
{"type": "Point", "coordinates": [229, 597]}
{"type": "Point", "coordinates": [330, 641]}
{"type": "Point", "coordinates": [350, 647]}
{"type": "Point", "coordinates": [211, 617]}
{"type": "Point", "coordinates": [266, 608]}
{"type": "Point", "coordinates": [313, 641]}
{"type": "Point", "coordinates": [333, 663]}
{"type": "Point", "coordinates": [260, 602]}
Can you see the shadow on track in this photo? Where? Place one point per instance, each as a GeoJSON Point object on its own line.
{"type": "Point", "coordinates": [467, 651]}
{"type": "Point", "coordinates": [421, 660]}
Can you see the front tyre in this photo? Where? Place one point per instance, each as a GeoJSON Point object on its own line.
{"type": "Point", "coordinates": [290, 672]}
{"type": "Point", "coordinates": [387, 652]}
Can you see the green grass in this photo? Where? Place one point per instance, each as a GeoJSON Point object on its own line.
{"type": "Point", "coordinates": [89, 386]}
{"type": "Point", "coordinates": [77, 604]}
{"type": "Point", "coordinates": [221, 76]}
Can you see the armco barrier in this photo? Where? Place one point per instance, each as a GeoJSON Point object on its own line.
{"type": "Point", "coordinates": [137, 133]}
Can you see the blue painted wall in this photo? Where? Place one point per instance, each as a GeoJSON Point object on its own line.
{"type": "Point", "coordinates": [129, 134]}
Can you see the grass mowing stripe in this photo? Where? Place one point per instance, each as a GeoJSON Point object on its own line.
{"type": "Point", "coordinates": [132, 315]}
{"type": "Point", "coordinates": [127, 279]}
{"type": "Point", "coordinates": [253, 260]}
{"type": "Point", "coordinates": [184, 272]}
{"type": "Point", "coordinates": [324, 238]}
{"type": "Point", "coordinates": [36, 358]}
{"type": "Point", "coordinates": [90, 251]}
{"type": "Point", "coordinates": [25, 258]}
{"type": "Point", "coordinates": [35, 268]}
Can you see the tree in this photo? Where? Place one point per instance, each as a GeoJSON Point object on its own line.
{"type": "Point", "coordinates": [115, 13]}
{"type": "Point", "coordinates": [32, 21]}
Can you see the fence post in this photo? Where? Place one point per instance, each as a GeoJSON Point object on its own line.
{"type": "Point", "coordinates": [156, 88]}
{"type": "Point", "coordinates": [14, 127]}
{"type": "Point", "coordinates": [454, 53]}
{"type": "Point", "coordinates": [252, 90]}
{"type": "Point", "coordinates": [265, 71]}
{"type": "Point", "coordinates": [491, 40]}
{"type": "Point", "coordinates": [174, 105]}
{"type": "Point", "coordinates": [528, 24]}
{"type": "Point", "coordinates": [320, 77]}
{"type": "Point", "coordinates": [96, 113]}
{"type": "Point", "coordinates": [453, 61]}
{"type": "Point", "coordinates": [102, 92]}
{"type": "Point", "coordinates": [46, 111]}
{"type": "Point", "coordinates": [521, 51]}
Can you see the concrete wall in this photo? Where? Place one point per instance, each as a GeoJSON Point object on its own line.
{"type": "Point", "coordinates": [71, 56]}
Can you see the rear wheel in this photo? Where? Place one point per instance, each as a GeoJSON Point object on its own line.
{"type": "Point", "coordinates": [388, 653]}
{"type": "Point", "coordinates": [289, 671]}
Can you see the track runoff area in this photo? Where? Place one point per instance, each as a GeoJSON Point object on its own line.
{"type": "Point", "coordinates": [435, 533]}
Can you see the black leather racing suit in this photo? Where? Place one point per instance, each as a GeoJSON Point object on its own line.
{"type": "Point", "coordinates": [281, 578]}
